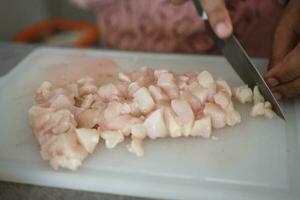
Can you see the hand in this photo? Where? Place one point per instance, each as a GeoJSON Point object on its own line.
{"type": "Point", "coordinates": [284, 74]}
{"type": "Point", "coordinates": [218, 16]}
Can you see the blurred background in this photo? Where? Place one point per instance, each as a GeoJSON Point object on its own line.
{"type": "Point", "coordinates": [18, 15]}
{"type": "Point", "coordinates": [143, 25]}
{"type": "Point", "coordinates": [51, 22]}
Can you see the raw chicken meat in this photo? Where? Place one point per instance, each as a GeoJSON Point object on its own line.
{"type": "Point", "coordinates": [260, 108]}
{"type": "Point", "coordinates": [257, 97]}
{"type": "Point", "coordinates": [109, 92]}
{"type": "Point", "coordinates": [136, 147]}
{"type": "Point", "coordinates": [112, 138]}
{"type": "Point", "coordinates": [173, 123]}
{"type": "Point", "coordinates": [155, 124]}
{"type": "Point", "coordinates": [202, 127]}
{"type": "Point", "coordinates": [69, 119]}
{"type": "Point", "coordinates": [63, 150]}
{"type": "Point", "coordinates": [217, 114]}
{"type": "Point", "coordinates": [88, 138]}
{"type": "Point", "coordinates": [144, 100]}
{"type": "Point", "coordinates": [243, 94]}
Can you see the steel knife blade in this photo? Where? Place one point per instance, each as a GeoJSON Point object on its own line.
{"type": "Point", "coordinates": [240, 62]}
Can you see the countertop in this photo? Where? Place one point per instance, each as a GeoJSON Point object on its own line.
{"type": "Point", "coordinates": [10, 55]}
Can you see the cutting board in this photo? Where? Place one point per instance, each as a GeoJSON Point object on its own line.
{"type": "Point", "coordinates": [258, 159]}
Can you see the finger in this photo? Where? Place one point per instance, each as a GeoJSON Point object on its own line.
{"type": "Point", "coordinates": [288, 90]}
{"type": "Point", "coordinates": [288, 69]}
{"type": "Point", "coordinates": [285, 37]}
{"type": "Point", "coordinates": [218, 17]}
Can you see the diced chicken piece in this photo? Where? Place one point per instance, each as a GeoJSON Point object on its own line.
{"type": "Point", "coordinates": [89, 118]}
{"type": "Point", "coordinates": [205, 79]}
{"type": "Point", "coordinates": [85, 80]}
{"type": "Point", "coordinates": [122, 123]}
{"type": "Point", "coordinates": [192, 75]}
{"type": "Point", "coordinates": [218, 115]}
{"type": "Point", "coordinates": [132, 88]}
{"type": "Point", "coordinates": [191, 99]}
{"type": "Point", "coordinates": [182, 82]}
{"type": "Point", "coordinates": [87, 86]}
{"type": "Point", "coordinates": [155, 125]}
{"type": "Point", "coordinates": [88, 89]}
{"type": "Point", "coordinates": [211, 91]}
{"type": "Point", "coordinates": [109, 92]}
{"type": "Point", "coordinates": [157, 94]}
{"type": "Point", "coordinates": [183, 110]}
{"type": "Point", "coordinates": [44, 91]}
{"type": "Point", "coordinates": [73, 90]}
{"type": "Point", "coordinates": [243, 94]}
{"type": "Point", "coordinates": [146, 77]}
{"type": "Point", "coordinates": [202, 127]}
{"type": "Point", "coordinates": [222, 99]}
{"type": "Point", "coordinates": [136, 147]}
{"type": "Point", "coordinates": [167, 82]}
{"type": "Point", "coordinates": [112, 138]}
{"type": "Point", "coordinates": [124, 77]}
{"type": "Point", "coordinates": [230, 107]}
{"type": "Point", "coordinates": [98, 104]}
{"type": "Point", "coordinates": [233, 117]}
{"type": "Point", "coordinates": [198, 91]}
{"type": "Point", "coordinates": [144, 100]}
{"type": "Point", "coordinates": [114, 109]}
{"type": "Point", "coordinates": [47, 120]}
{"type": "Point", "coordinates": [183, 78]}
{"type": "Point", "coordinates": [268, 105]}
{"type": "Point", "coordinates": [63, 151]}
{"type": "Point", "coordinates": [61, 101]}
{"type": "Point", "coordinates": [87, 101]}
{"type": "Point", "coordinates": [173, 123]}
{"type": "Point", "coordinates": [134, 107]}
{"type": "Point", "coordinates": [158, 72]}
{"type": "Point", "coordinates": [88, 138]}
{"type": "Point", "coordinates": [269, 113]}
{"type": "Point", "coordinates": [262, 108]}
{"type": "Point", "coordinates": [257, 97]}
{"type": "Point", "coordinates": [185, 113]}
{"type": "Point", "coordinates": [223, 86]}
{"type": "Point", "coordinates": [63, 121]}
{"type": "Point", "coordinates": [258, 109]}
{"type": "Point", "coordinates": [138, 131]}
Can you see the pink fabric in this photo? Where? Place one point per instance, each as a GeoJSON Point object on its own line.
{"type": "Point", "coordinates": [158, 25]}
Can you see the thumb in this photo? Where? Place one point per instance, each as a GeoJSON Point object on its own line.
{"type": "Point", "coordinates": [218, 17]}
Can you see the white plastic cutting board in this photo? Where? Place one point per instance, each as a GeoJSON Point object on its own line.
{"type": "Point", "coordinates": [258, 159]}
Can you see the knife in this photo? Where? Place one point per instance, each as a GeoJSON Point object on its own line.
{"type": "Point", "coordinates": [240, 61]}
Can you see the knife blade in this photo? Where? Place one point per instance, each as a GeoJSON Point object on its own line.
{"type": "Point", "coordinates": [240, 62]}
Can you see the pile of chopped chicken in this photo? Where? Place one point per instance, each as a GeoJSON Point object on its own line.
{"type": "Point", "coordinates": [68, 120]}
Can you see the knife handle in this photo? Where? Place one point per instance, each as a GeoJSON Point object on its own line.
{"type": "Point", "coordinates": [200, 9]}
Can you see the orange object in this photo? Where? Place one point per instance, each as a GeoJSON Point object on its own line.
{"type": "Point", "coordinates": [47, 28]}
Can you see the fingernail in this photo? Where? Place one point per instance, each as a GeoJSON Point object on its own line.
{"type": "Point", "coordinates": [277, 95]}
{"type": "Point", "coordinates": [222, 30]}
{"type": "Point", "coordinates": [272, 82]}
